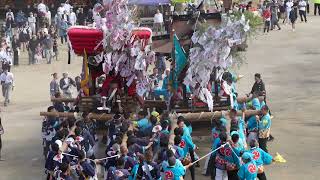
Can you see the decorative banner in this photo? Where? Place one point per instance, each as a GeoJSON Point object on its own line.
{"type": "Point", "coordinates": [180, 59]}
{"type": "Point", "coordinates": [85, 75]}
{"type": "Point", "coordinates": [180, 56]}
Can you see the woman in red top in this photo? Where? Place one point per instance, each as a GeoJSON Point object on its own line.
{"type": "Point", "coordinates": [266, 17]}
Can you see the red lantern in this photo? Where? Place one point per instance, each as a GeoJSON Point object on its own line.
{"type": "Point", "coordinates": [85, 38]}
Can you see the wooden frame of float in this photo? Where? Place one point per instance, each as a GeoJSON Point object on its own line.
{"type": "Point", "coordinates": [192, 117]}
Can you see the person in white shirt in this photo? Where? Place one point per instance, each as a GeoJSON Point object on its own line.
{"type": "Point", "coordinates": [60, 9]}
{"type": "Point", "coordinates": [42, 8]}
{"type": "Point", "coordinates": [302, 10]}
{"type": "Point", "coordinates": [8, 58]}
{"type": "Point", "coordinates": [7, 82]}
{"type": "Point", "coordinates": [289, 5]}
{"type": "Point", "coordinates": [65, 85]}
{"type": "Point", "coordinates": [9, 13]}
{"type": "Point", "coordinates": [72, 18]}
{"type": "Point", "coordinates": [48, 16]}
{"type": "Point", "coordinates": [32, 23]}
{"type": "Point", "coordinates": [67, 7]}
{"type": "Point", "coordinates": [158, 22]}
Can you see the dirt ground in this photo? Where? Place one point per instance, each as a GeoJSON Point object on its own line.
{"type": "Point", "coordinates": [289, 64]}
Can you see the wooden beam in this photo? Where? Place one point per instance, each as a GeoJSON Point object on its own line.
{"type": "Point", "coordinates": [207, 116]}
{"type": "Point", "coordinates": [192, 117]}
{"type": "Point", "coordinates": [99, 117]}
{"type": "Point", "coordinates": [202, 109]}
{"type": "Point", "coordinates": [63, 99]}
{"type": "Point", "coordinates": [58, 114]}
{"type": "Point", "coordinates": [158, 103]}
{"type": "Point", "coordinates": [246, 99]}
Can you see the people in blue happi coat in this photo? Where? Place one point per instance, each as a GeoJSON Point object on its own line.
{"type": "Point", "coordinates": [143, 125]}
{"type": "Point", "coordinates": [248, 170]}
{"type": "Point", "coordinates": [174, 170]}
{"type": "Point", "coordinates": [146, 168]}
{"type": "Point", "coordinates": [186, 144]}
{"type": "Point", "coordinates": [252, 124]}
{"type": "Point", "coordinates": [177, 150]}
{"type": "Point", "coordinates": [260, 157]}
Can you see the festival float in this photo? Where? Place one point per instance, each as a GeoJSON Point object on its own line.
{"type": "Point", "coordinates": [117, 53]}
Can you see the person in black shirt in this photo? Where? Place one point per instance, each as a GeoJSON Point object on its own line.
{"type": "Point", "coordinates": [33, 43]}
{"type": "Point", "coordinates": [15, 48]}
{"type": "Point", "coordinates": [9, 26]}
{"type": "Point", "coordinates": [258, 86]}
{"type": "Point", "coordinates": [81, 17]}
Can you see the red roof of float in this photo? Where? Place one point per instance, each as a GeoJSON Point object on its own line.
{"type": "Point", "coordinates": [85, 38]}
